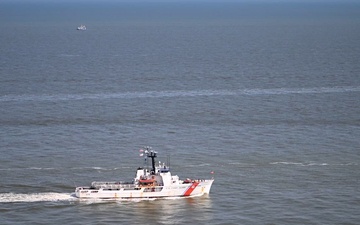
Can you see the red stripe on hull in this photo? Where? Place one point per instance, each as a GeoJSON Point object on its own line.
{"type": "Point", "coordinates": [191, 189]}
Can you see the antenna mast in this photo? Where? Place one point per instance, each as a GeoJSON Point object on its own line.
{"type": "Point", "coordinates": [151, 154]}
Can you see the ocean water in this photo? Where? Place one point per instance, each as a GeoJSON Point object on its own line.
{"type": "Point", "coordinates": [265, 95]}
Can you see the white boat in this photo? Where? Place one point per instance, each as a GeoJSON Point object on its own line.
{"type": "Point", "coordinates": [81, 27]}
{"type": "Point", "coordinates": [156, 182]}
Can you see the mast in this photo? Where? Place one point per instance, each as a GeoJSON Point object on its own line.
{"type": "Point", "coordinates": [151, 154]}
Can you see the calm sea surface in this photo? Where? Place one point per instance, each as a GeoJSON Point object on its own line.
{"type": "Point", "coordinates": [265, 95]}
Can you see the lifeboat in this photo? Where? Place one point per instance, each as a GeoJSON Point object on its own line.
{"type": "Point", "coordinates": [147, 181]}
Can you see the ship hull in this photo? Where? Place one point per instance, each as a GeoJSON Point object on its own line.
{"type": "Point", "coordinates": [131, 191]}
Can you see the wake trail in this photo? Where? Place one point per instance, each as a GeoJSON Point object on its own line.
{"type": "Point", "coordinates": [36, 197]}
{"type": "Point", "coordinates": [178, 93]}
{"type": "Point", "coordinates": [66, 197]}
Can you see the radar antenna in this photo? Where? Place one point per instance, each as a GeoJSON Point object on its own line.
{"type": "Point", "coordinates": [151, 154]}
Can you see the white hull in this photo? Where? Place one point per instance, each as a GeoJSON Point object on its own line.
{"type": "Point", "coordinates": [156, 182]}
{"type": "Point", "coordinates": [131, 191]}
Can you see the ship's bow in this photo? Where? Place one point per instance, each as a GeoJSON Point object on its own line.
{"type": "Point", "coordinates": [207, 186]}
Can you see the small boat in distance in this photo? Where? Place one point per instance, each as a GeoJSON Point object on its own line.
{"type": "Point", "coordinates": [154, 182]}
{"type": "Point", "coordinates": [81, 27]}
